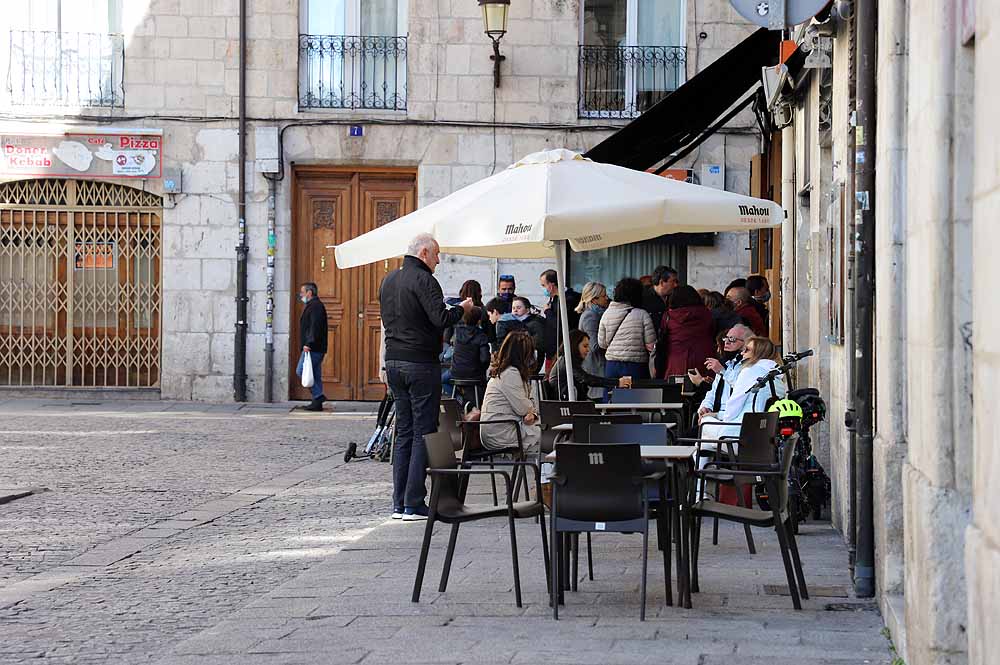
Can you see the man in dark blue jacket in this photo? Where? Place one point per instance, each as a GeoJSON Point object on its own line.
{"type": "Point", "coordinates": [414, 315]}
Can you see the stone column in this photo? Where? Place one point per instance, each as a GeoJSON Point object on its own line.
{"type": "Point", "coordinates": [936, 492]}
{"type": "Point", "coordinates": [982, 553]}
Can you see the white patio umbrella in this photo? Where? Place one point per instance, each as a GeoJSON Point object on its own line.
{"type": "Point", "coordinates": [549, 199]}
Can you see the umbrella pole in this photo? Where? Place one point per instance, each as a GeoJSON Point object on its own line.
{"type": "Point", "coordinates": [564, 317]}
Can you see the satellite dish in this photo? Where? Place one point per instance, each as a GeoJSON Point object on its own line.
{"type": "Point", "coordinates": [778, 14]}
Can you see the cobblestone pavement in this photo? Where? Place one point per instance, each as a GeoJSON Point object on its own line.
{"type": "Point", "coordinates": [181, 534]}
{"type": "Point", "coordinates": [160, 519]}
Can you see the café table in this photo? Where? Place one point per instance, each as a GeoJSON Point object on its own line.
{"type": "Point", "coordinates": [680, 463]}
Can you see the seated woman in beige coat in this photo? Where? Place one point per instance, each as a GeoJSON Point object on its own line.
{"type": "Point", "coordinates": [508, 395]}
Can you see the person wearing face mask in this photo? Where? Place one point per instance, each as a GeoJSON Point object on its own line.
{"type": "Point", "coordinates": [725, 369]}
{"type": "Point", "coordinates": [757, 360]}
{"type": "Point", "coordinates": [312, 331]}
{"type": "Point", "coordinates": [505, 291]}
{"type": "Point", "coordinates": [521, 317]}
{"type": "Point", "coordinates": [760, 293]}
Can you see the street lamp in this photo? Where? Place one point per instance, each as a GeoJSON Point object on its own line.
{"type": "Point", "coordinates": [495, 24]}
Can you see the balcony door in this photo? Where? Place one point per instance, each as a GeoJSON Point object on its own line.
{"type": "Point", "coordinates": [352, 54]}
{"type": "Point", "coordinates": [65, 52]}
{"type": "Point", "coordinates": [631, 55]}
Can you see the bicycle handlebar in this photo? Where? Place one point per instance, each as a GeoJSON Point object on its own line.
{"type": "Point", "coordinates": [789, 360]}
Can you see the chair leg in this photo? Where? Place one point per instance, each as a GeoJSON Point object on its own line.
{"type": "Point", "coordinates": [779, 528]}
{"type": "Point", "coordinates": [794, 547]}
{"type": "Point", "coordinates": [645, 561]}
{"type": "Point", "coordinates": [663, 533]}
{"type": "Point", "coordinates": [567, 549]}
{"type": "Point", "coordinates": [695, 549]}
{"type": "Point", "coordinates": [493, 482]}
{"type": "Point", "coordinates": [555, 584]}
{"type": "Point", "coordinates": [746, 527]}
{"type": "Point", "coordinates": [590, 560]}
{"type": "Point", "coordinates": [576, 562]}
{"type": "Point", "coordinates": [513, 557]}
{"type": "Point", "coordinates": [715, 531]}
{"type": "Point", "coordinates": [424, 549]}
{"type": "Point", "coordinates": [447, 558]}
{"type": "Point", "coordinates": [545, 552]}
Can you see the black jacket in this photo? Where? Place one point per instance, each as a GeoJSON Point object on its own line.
{"type": "Point", "coordinates": [414, 314]}
{"type": "Point", "coordinates": [472, 353]}
{"type": "Point", "coordinates": [552, 321]}
{"type": "Point", "coordinates": [313, 326]}
{"type": "Point", "coordinates": [534, 325]}
{"type": "Point", "coordinates": [654, 304]}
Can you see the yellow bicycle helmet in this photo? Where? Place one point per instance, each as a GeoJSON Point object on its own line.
{"type": "Point", "coordinates": [787, 408]}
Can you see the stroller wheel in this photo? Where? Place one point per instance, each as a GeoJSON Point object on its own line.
{"type": "Point", "coordinates": [351, 449]}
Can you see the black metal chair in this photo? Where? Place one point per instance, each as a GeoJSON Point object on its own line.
{"type": "Point", "coordinates": [449, 483]}
{"type": "Point", "coordinates": [474, 451]}
{"type": "Point", "coordinates": [477, 385]}
{"type": "Point", "coordinates": [449, 419]}
{"type": "Point", "coordinates": [755, 445]}
{"type": "Point", "coordinates": [636, 396]}
{"type": "Point", "coordinates": [775, 476]}
{"type": "Point", "coordinates": [582, 424]}
{"type": "Point", "coordinates": [552, 413]}
{"type": "Point", "coordinates": [598, 487]}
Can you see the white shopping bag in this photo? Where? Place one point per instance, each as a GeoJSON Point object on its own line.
{"type": "Point", "coordinates": [307, 371]}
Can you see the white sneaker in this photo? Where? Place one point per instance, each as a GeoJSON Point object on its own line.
{"type": "Point", "coordinates": [415, 514]}
{"type": "Point", "coordinates": [397, 514]}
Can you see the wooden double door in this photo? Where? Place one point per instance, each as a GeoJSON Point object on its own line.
{"type": "Point", "coordinates": [330, 206]}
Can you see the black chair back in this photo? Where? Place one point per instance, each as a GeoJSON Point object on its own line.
{"type": "Point", "coordinates": [787, 452]}
{"type": "Point", "coordinates": [637, 396]}
{"type": "Point", "coordinates": [582, 424]}
{"type": "Point", "coordinates": [599, 483]}
{"type": "Point", "coordinates": [441, 455]}
{"type": "Point", "coordinates": [648, 434]}
{"type": "Point", "coordinates": [670, 390]}
{"type": "Point", "coordinates": [448, 419]}
{"type": "Point", "coordinates": [553, 412]}
{"type": "Point", "coordinates": [757, 432]}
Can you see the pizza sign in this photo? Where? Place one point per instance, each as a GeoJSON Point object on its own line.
{"type": "Point", "coordinates": [94, 155]}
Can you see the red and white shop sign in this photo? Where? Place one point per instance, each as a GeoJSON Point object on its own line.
{"type": "Point", "coordinates": [99, 155]}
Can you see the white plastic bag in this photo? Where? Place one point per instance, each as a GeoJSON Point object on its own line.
{"type": "Point", "coordinates": [307, 371]}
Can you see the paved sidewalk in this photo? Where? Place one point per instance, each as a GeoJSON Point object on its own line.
{"type": "Point", "coordinates": [355, 607]}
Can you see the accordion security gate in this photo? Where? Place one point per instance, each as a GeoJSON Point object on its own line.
{"type": "Point", "coordinates": [79, 284]}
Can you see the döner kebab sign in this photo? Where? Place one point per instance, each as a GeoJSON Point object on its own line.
{"type": "Point", "coordinates": [98, 154]}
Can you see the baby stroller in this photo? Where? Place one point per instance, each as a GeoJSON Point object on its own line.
{"type": "Point", "coordinates": [379, 446]}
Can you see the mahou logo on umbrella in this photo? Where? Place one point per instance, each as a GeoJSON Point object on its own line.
{"type": "Point", "coordinates": [754, 214]}
{"type": "Point", "coordinates": [517, 231]}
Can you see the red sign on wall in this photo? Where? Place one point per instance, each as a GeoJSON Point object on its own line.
{"type": "Point", "coordinates": [91, 155]}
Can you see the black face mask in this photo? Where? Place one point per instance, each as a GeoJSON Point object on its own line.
{"type": "Point", "coordinates": [505, 296]}
{"type": "Point", "coordinates": [731, 355]}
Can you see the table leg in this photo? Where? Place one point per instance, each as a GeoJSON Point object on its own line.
{"type": "Point", "coordinates": [675, 514]}
{"type": "Point", "coordinates": [686, 534]}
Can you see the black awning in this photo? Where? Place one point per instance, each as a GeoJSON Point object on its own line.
{"type": "Point", "coordinates": [686, 114]}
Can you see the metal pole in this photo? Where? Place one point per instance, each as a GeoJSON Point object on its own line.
{"type": "Point", "coordinates": [240, 346]}
{"type": "Point", "coordinates": [864, 294]}
{"type": "Point", "coordinates": [564, 316]}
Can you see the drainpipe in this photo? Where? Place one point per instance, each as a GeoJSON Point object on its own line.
{"type": "Point", "coordinates": [240, 346]}
{"type": "Point", "coordinates": [788, 293]}
{"type": "Point", "coordinates": [864, 295]}
{"type": "Point", "coordinates": [269, 304]}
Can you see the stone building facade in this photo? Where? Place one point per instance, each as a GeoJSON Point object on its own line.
{"type": "Point", "coordinates": [936, 542]}
{"type": "Point", "coordinates": [437, 125]}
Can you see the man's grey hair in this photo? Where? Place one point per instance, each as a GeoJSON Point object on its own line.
{"type": "Point", "coordinates": [739, 326]}
{"type": "Point", "coordinates": [739, 294]}
{"type": "Point", "coordinates": [419, 243]}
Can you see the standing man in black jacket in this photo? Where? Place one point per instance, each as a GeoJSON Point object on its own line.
{"type": "Point", "coordinates": [548, 280]}
{"type": "Point", "coordinates": [312, 330]}
{"type": "Point", "coordinates": [414, 316]}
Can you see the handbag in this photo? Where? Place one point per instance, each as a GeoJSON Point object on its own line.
{"type": "Point", "coordinates": [307, 371]}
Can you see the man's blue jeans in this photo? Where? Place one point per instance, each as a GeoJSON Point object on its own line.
{"type": "Point", "coordinates": [317, 363]}
{"type": "Point", "coordinates": [416, 390]}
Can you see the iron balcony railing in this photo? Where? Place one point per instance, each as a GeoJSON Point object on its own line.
{"type": "Point", "coordinates": [624, 81]}
{"type": "Point", "coordinates": [65, 69]}
{"type": "Point", "coordinates": [352, 72]}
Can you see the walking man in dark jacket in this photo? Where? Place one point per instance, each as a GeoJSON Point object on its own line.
{"type": "Point", "coordinates": [312, 330]}
{"type": "Point", "coordinates": [414, 316]}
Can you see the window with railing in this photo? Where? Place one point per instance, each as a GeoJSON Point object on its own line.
{"type": "Point", "coordinates": [352, 55]}
{"type": "Point", "coordinates": [632, 55]}
{"type": "Point", "coordinates": [65, 53]}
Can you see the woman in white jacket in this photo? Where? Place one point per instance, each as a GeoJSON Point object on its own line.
{"type": "Point", "coordinates": [757, 362]}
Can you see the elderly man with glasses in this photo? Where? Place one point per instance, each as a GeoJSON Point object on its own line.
{"type": "Point", "coordinates": [725, 370]}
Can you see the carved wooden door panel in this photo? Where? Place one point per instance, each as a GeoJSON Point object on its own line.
{"type": "Point", "coordinates": [323, 215]}
{"type": "Point", "coordinates": [383, 198]}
